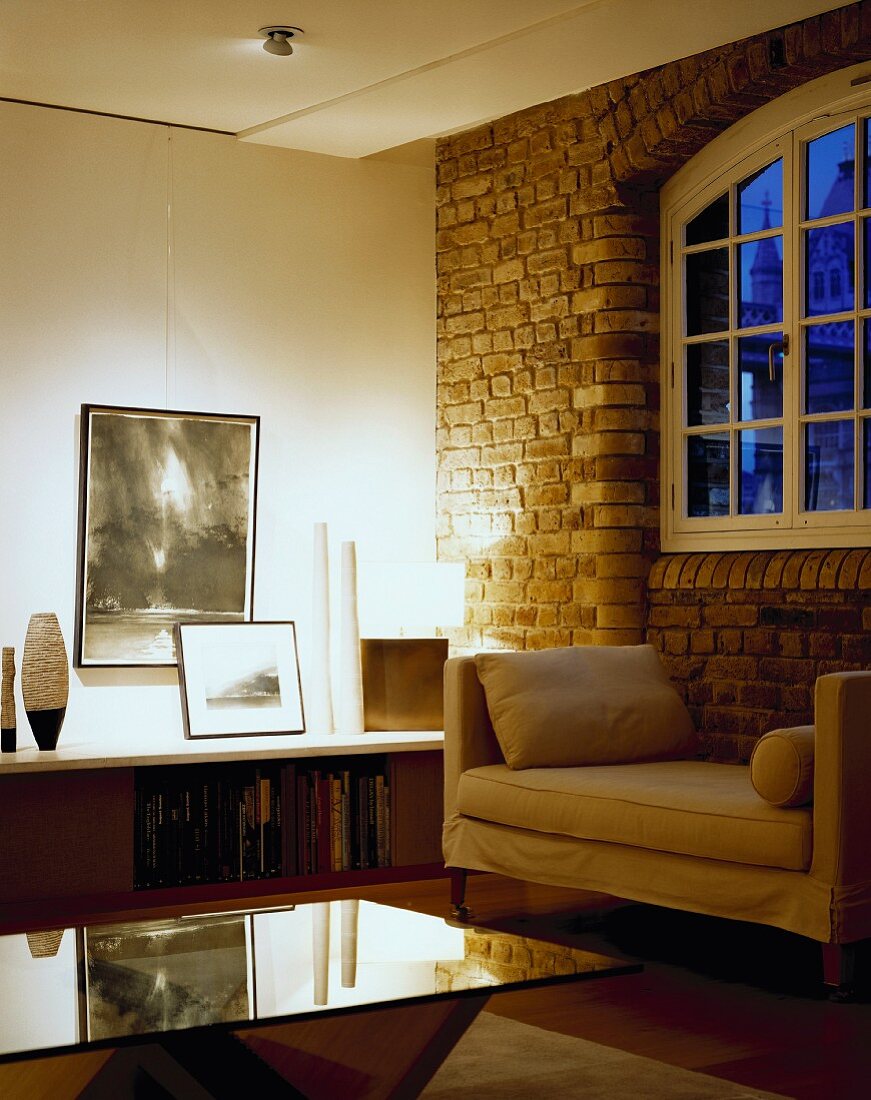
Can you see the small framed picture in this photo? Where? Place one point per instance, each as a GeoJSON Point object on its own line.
{"type": "Point", "coordinates": [239, 679]}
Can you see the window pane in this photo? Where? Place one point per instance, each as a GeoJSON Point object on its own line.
{"type": "Point", "coordinates": [829, 466]}
{"type": "Point", "coordinates": [760, 200]}
{"type": "Point", "coordinates": [760, 281]}
{"type": "Point", "coordinates": [707, 291]}
{"type": "Point", "coordinates": [866, 366]}
{"type": "Point", "coordinates": [708, 383]}
{"type": "Point", "coordinates": [829, 367]}
{"type": "Point", "coordinates": [867, 189]}
{"type": "Point", "coordinates": [758, 397]}
{"type": "Point", "coordinates": [867, 471]}
{"type": "Point", "coordinates": [866, 231]}
{"type": "Point", "coordinates": [708, 475]}
{"type": "Point", "coordinates": [829, 265]}
{"type": "Point", "coordinates": [830, 168]}
{"type": "Point", "coordinates": [712, 224]}
{"type": "Point", "coordinates": [761, 475]}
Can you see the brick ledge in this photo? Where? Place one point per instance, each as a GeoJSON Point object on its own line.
{"type": "Point", "coordinates": [808, 570]}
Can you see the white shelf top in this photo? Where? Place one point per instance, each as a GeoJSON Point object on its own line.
{"type": "Point", "coordinates": [82, 755]}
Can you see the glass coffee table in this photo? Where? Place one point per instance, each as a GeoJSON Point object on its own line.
{"type": "Point", "coordinates": [329, 999]}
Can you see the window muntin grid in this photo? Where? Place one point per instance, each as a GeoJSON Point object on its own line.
{"type": "Point", "coordinates": [750, 447]}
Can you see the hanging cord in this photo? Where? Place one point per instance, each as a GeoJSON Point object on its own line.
{"type": "Point", "coordinates": [169, 367]}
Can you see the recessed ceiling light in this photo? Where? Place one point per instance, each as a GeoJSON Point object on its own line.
{"type": "Point", "coordinates": [278, 39]}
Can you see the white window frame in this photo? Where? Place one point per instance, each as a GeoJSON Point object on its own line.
{"type": "Point", "coordinates": [776, 130]}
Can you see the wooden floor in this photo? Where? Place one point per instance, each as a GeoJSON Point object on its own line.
{"type": "Point", "coordinates": [737, 1001]}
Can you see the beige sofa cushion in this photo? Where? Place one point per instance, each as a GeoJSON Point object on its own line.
{"type": "Point", "coordinates": [556, 708]}
{"type": "Point", "coordinates": [782, 766]}
{"type": "Point", "coordinates": [688, 807]}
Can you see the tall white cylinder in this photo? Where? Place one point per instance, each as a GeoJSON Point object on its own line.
{"type": "Point", "coordinates": [351, 705]}
{"type": "Point", "coordinates": [350, 921]}
{"type": "Point", "coordinates": [321, 951]}
{"type": "Point", "coordinates": [320, 700]}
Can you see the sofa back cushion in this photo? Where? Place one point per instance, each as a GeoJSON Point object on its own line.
{"type": "Point", "coordinates": [580, 705]}
{"type": "Point", "coordinates": [782, 766]}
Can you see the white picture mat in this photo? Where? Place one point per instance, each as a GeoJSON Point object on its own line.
{"type": "Point", "coordinates": [206, 645]}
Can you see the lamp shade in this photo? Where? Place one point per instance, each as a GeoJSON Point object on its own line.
{"type": "Point", "coordinates": [410, 599]}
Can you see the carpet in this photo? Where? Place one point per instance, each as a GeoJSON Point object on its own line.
{"type": "Point", "coordinates": [502, 1059]}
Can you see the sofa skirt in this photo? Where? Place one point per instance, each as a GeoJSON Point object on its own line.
{"type": "Point", "coordinates": [792, 900]}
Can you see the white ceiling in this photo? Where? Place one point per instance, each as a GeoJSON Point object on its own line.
{"type": "Point", "coordinates": [366, 76]}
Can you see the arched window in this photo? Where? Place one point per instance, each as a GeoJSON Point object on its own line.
{"type": "Point", "coordinates": [766, 376]}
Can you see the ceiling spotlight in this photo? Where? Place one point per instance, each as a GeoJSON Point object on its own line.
{"type": "Point", "coordinates": [278, 39]}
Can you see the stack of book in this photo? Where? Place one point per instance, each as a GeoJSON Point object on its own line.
{"type": "Point", "coordinates": [212, 823]}
{"type": "Point", "coordinates": [207, 823]}
{"type": "Point", "coordinates": [342, 816]}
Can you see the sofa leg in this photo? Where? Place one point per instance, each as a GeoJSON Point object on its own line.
{"type": "Point", "coordinates": [459, 909]}
{"type": "Point", "coordinates": [839, 970]}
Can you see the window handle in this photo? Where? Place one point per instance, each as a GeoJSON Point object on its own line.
{"type": "Point", "coordinates": [783, 345]}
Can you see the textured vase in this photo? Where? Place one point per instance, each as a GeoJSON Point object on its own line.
{"type": "Point", "coordinates": [45, 679]}
{"type": "Point", "coordinates": [350, 664]}
{"type": "Point", "coordinates": [320, 702]}
{"type": "Point", "coordinates": [44, 945]}
{"type": "Point", "coordinates": [7, 701]}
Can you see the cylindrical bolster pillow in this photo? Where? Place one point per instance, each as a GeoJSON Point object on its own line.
{"type": "Point", "coordinates": [782, 766]}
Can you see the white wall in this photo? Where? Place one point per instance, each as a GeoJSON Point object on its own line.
{"type": "Point", "coordinates": [176, 269]}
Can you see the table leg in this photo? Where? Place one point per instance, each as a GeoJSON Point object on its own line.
{"type": "Point", "coordinates": [377, 1054]}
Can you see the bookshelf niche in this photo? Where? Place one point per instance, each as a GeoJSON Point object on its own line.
{"type": "Point", "coordinates": [242, 822]}
{"type": "Point", "coordinates": [83, 837]}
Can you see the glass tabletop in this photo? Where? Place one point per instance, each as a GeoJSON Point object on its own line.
{"type": "Point", "coordinates": [118, 982]}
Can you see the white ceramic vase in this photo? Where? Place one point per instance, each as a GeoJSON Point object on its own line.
{"type": "Point", "coordinates": [320, 701]}
{"type": "Point", "coordinates": [320, 911]}
{"type": "Point", "coordinates": [350, 665]}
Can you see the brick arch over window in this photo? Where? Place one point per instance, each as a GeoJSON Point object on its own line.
{"type": "Point", "coordinates": [654, 122]}
{"type": "Point", "coordinates": [548, 375]}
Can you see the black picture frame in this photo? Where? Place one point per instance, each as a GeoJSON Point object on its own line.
{"type": "Point", "coordinates": [166, 529]}
{"type": "Point", "coordinates": [123, 963]}
{"type": "Point", "coordinates": [239, 679]}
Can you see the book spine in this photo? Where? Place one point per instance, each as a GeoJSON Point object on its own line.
{"type": "Point", "coordinates": [388, 843]}
{"type": "Point", "coordinates": [303, 826]}
{"type": "Point", "coordinates": [139, 874]}
{"type": "Point", "coordinates": [362, 822]}
{"type": "Point", "coordinates": [371, 822]}
{"type": "Point", "coordinates": [265, 817]}
{"type": "Point", "coordinates": [335, 785]}
{"type": "Point", "coordinates": [325, 855]}
{"type": "Point", "coordinates": [346, 821]}
{"type": "Point", "coordinates": [248, 856]}
{"type": "Point", "coordinates": [380, 819]}
{"type": "Point", "coordinates": [207, 863]}
{"type": "Point", "coordinates": [274, 825]}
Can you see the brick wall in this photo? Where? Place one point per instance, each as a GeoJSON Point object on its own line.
{"type": "Point", "coordinates": [745, 635]}
{"type": "Point", "coordinates": [491, 958]}
{"type": "Point", "coordinates": [548, 271]}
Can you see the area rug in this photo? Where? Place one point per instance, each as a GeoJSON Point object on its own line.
{"type": "Point", "coordinates": [502, 1059]}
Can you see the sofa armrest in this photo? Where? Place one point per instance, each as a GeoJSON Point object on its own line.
{"type": "Point", "coordinates": [842, 776]}
{"type": "Point", "coordinates": [469, 738]}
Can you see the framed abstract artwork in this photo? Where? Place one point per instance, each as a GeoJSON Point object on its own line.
{"type": "Point", "coordinates": [167, 508]}
{"type": "Point", "coordinates": [239, 678]}
{"type": "Point", "coordinates": [166, 974]}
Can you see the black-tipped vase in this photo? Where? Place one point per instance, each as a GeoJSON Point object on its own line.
{"type": "Point", "coordinates": [45, 678]}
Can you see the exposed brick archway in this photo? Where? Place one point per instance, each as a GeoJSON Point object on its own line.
{"type": "Point", "coordinates": [548, 275]}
